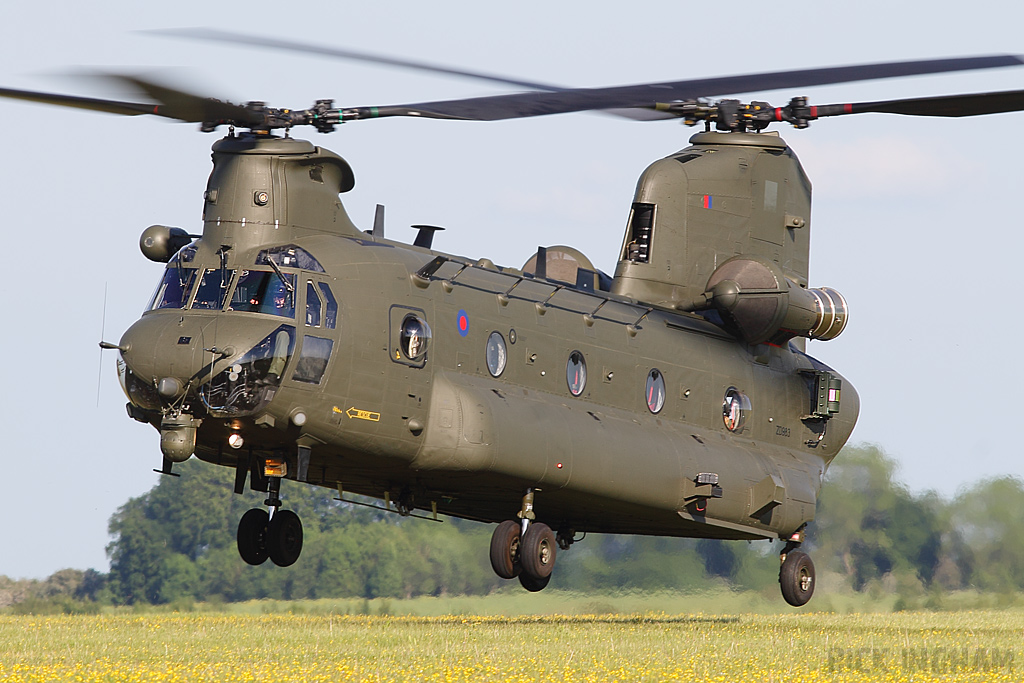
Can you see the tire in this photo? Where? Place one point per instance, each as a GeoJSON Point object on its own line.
{"type": "Point", "coordinates": [537, 553]}
{"type": "Point", "coordinates": [252, 536]}
{"type": "Point", "coordinates": [284, 538]}
{"type": "Point", "coordinates": [796, 577]}
{"type": "Point", "coordinates": [533, 585]}
{"type": "Point", "coordinates": [505, 550]}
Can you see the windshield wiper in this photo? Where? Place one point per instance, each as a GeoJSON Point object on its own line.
{"type": "Point", "coordinates": [288, 285]}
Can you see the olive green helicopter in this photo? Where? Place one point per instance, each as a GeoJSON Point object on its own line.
{"type": "Point", "coordinates": [672, 398]}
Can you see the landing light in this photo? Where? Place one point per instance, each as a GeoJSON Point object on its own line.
{"type": "Point", "coordinates": [275, 467]}
{"type": "Point", "coordinates": [236, 441]}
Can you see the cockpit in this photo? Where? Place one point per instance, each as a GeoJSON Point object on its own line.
{"type": "Point", "coordinates": [301, 301]}
{"type": "Point", "coordinates": [263, 288]}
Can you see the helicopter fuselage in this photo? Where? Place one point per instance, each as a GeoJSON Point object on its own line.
{"type": "Point", "coordinates": [394, 371]}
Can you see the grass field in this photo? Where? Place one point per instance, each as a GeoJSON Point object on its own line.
{"type": "Point", "coordinates": [250, 646]}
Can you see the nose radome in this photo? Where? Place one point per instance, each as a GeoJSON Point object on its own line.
{"type": "Point", "coordinates": [167, 349]}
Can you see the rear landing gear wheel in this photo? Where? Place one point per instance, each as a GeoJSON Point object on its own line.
{"type": "Point", "coordinates": [505, 550]}
{"type": "Point", "coordinates": [796, 577]}
{"type": "Point", "coordinates": [537, 553]}
{"type": "Point", "coordinates": [284, 538]}
{"type": "Point", "coordinates": [252, 536]}
{"type": "Point", "coordinates": [533, 585]}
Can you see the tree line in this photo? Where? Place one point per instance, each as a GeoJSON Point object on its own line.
{"type": "Point", "coordinates": [176, 543]}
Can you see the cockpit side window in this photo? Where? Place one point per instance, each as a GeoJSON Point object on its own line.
{"type": "Point", "coordinates": [331, 312]}
{"type": "Point", "coordinates": [316, 352]}
{"type": "Point", "coordinates": [174, 288]}
{"type": "Point", "coordinates": [261, 291]}
{"type": "Point", "coordinates": [313, 306]}
{"type": "Point", "coordinates": [213, 286]}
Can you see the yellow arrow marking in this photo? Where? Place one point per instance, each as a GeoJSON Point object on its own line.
{"type": "Point", "coordinates": [356, 413]}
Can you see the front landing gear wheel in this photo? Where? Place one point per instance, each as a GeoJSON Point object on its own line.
{"type": "Point", "coordinates": [537, 553]}
{"type": "Point", "coordinates": [505, 550]}
{"type": "Point", "coordinates": [533, 585]}
{"type": "Point", "coordinates": [284, 538]}
{"type": "Point", "coordinates": [252, 536]}
{"type": "Point", "coordinates": [797, 578]}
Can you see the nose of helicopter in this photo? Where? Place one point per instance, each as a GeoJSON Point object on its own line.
{"type": "Point", "coordinates": [168, 350]}
{"type": "Point", "coordinates": [232, 364]}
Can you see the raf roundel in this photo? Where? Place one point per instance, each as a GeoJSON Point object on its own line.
{"type": "Point", "coordinates": [462, 323]}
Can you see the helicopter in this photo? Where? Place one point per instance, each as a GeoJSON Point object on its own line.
{"type": "Point", "coordinates": [674, 397]}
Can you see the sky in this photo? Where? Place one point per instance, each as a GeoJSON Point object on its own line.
{"type": "Point", "coordinates": [915, 221]}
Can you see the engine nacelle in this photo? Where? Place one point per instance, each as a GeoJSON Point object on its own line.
{"type": "Point", "coordinates": [759, 304]}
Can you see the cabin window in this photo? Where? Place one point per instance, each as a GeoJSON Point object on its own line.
{"type": "Point", "coordinates": [409, 336]}
{"type": "Point", "coordinates": [174, 288]}
{"type": "Point", "coordinates": [313, 306]}
{"type": "Point", "coordinates": [640, 233]}
{"type": "Point", "coordinates": [312, 363]}
{"type": "Point", "coordinates": [655, 391]}
{"type": "Point", "coordinates": [414, 338]}
{"type": "Point", "coordinates": [262, 291]}
{"type": "Point", "coordinates": [735, 409]}
{"type": "Point", "coordinates": [331, 311]}
{"type": "Point", "coordinates": [497, 355]}
{"type": "Point", "coordinates": [576, 373]}
{"type": "Point", "coordinates": [213, 286]}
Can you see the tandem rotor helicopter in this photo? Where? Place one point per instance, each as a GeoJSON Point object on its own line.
{"type": "Point", "coordinates": [673, 397]}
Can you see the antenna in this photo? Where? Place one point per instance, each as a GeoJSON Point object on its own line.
{"type": "Point", "coordinates": [540, 271]}
{"type": "Point", "coordinates": [378, 222]}
{"type": "Point", "coordinates": [103, 332]}
{"type": "Point", "coordinates": [425, 236]}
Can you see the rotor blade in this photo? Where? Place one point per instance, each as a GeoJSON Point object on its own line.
{"type": "Point", "coordinates": [216, 35]}
{"type": "Point", "coordinates": [977, 104]}
{"type": "Point", "coordinates": [523, 105]}
{"type": "Point", "coordinates": [172, 104]}
{"type": "Point", "coordinates": [185, 106]}
{"type": "Point", "coordinates": [91, 103]}
{"type": "Point", "coordinates": [291, 46]}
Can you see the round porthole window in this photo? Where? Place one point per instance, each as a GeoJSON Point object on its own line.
{"type": "Point", "coordinates": [576, 373]}
{"type": "Point", "coordinates": [655, 391]}
{"type": "Point", "coordinates": [735, 409]}
{"type": "Point", "coordinates": [415, 337]}
{"type": "Point", "coordinates": [497, 356]}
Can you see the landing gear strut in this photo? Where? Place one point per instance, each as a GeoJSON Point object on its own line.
{"type": "Point", "coordinates": [524, 548]}
{"type": "Point", "coordinates": [261, 535]}
{"type": "Point", "coordinates": [796, 575]}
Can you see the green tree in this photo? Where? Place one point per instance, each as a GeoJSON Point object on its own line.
{"type": "Point", "coordinates": [869, 525]}
{"type": "Point", "coordinates": [177, 541]}
{"type": "Point", "coordinates": [989, 517]}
